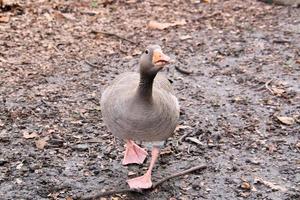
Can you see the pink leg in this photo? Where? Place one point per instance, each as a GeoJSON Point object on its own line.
{"type": "Point", "coordinates": [134, 153]}
{"type": "Point", "coordinates": [145, 180]}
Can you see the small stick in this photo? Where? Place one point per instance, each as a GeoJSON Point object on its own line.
{"type": "Point", "coordinates": [183, 137]}
{"type": "Point", "coordinates": [102, 194]}
{"type": "Point", "coordinates": [114, 35]}
{"type": "Point", "coordinates": [202, 167]}
{"type": "Point", "coordinates": [108, 193]}
{"type": "Point", "coordinates": [183, 71]}
{"type": "Point", "coordinates": [267, 86]}
{"type": "Point", "coordinates": [90, 64]}
{"type": "Point", "coordinates": [281, 41]}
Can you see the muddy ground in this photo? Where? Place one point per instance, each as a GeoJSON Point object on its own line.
{"type": "Point", "coordinates": [240, 102]}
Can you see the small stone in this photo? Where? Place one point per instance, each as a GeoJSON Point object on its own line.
{"type": "Point", "coordinates": [3, 162]}
{"type": "Point", "coordinates": [81, 147]}
{"type": "Point", "coordinates": [253, 161]}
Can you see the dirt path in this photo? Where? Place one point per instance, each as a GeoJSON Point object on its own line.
{"type": "Point", "coordinates": [240, 105]}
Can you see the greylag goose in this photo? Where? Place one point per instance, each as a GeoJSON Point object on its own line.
{"type": "Point", "coordinates": [141, 106]}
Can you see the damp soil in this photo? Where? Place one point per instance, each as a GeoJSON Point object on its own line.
{"type": "Point", "coordinates": [236, 73]}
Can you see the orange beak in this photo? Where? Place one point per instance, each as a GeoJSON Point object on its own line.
{"type": "Point", "coordinates": [159, 58]}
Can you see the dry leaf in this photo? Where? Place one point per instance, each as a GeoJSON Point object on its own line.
{"type": "Point", "coordinates": [19, 166]}
{"type": "Point", "coordinates": [180, 127]}
{"type": "Point", "coordinates": [167, 150]}
{"type": "Point", "coordinates": [69, 198]}
{"type": "Point", "coordinates": [185, 37]}
{"type": "Point", "coordinates": [4, 19]}
{"type": "Point", "coordinates": [131, 173]}
{"type": "Point", "coordinates": [27, 135]}
{"type": "Point", "coordinates": [41, 143]}
{"type": "Point", "coordinates": [7, 2]}
{"type": "Point", "coordinates": [194, 140]}
{"type": "Point", "coordinates": [63, 16]}
{"type": "Point", "coordinates": [286, 120]}
{"type": "Point", "coordinates": [161, 26]}
{"type": "Point", "coordinates": [246, 185]}
{"type": "Point", "coordinates": [278, 91]}
{"type": "Point", "coordinates": [48, 17]}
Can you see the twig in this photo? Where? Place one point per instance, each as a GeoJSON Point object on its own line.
{"type": "Point", "coordinates": [202, 167]}
{"type": "Point", "coordinates": [281, 41]}
{"type": "Point", "coordinates": [183, 71]}
{"type": "Point", "coordinates": [184, 136]}
{"type": "Point", "coordinates": [114, 35]}
{"type": "Point", "coordinates": [108, 193]}
{"type": "Point", "coordinates": [267, 85]}
{"type": "Point", "coordinates": [90, 64]}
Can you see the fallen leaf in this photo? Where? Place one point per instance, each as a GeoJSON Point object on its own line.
{"type": "Point", "coordinates": [161, 26]}
{"type": "Point", "coordinates": [63, 16]}
{"type": "Point", "coordinates": [278, 91]}
{"type": "Point", "coordinates": [271, 147]}
{"type": "Point", "coordinates": [19, 166]}
{"type": "Point", "coordinates": [194, 140]}
{"type": "Point", "coordinates": [41, 143]}
{"type": "Point", "coordinates": [131, 173]}
{"type": "Point", "coordinates": [7, 2]}
{"type": "Point", "coordinates": [167, 150]}
{"type": "Point", "coordinates": [245, 194]}
{"type": "Point", "coordinates": [4, 19]}
{"type": "Point", "coordinates": [48, 17]}
{"type": "Point", "coordinates": [246, 185]}
{"type": "Point", "coordinates": [19, 181]}
{"type": "Point", "coordinates": [185, 37]}
{"type": "Point", "coordinates": [286, 120]}
{"type": "Point", "coordinates": [27, 135]}
{"type": "Point", "coordinates": [1, 123]}
{"type": "Point", "coordinates": [69, 198]}
{"type": "Point", "coordinates": [180, 127]}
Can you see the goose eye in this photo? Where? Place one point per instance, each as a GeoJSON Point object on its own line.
{"type": "Point", "coordinates": [146, 51]}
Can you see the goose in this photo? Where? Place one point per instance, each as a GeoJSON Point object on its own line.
{"type": "Point", "coordinates": [142, 107]}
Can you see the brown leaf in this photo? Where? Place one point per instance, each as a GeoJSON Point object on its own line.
{"type": "Point", "coordinates": [161, 26]}
{"type": "Point", "coordinates": [4, 19]}
{"type": "Point", "coordinates": [7, 2]}
{"type": "Point", "coordinates": [194, 140]}
{"type": "Point", "coordinates": [27, 135]}
{"type": "Point", "coordinates": [185, 37]}
{"type": "Point", "coordinates": [180, 127]}
{"type": "Point", "coordinates": [271, 147]}
{"type": "Point", "coordinates": [41, 143]}
{"type": "Point", "coordinates": [278, 91]}
{"type": "Point", "coordinates": [167, 150]}
{"type": "Point", "coordinates": [286, 120]}
{"type": "Point", "coordinates": [131, 173]}
{"type": "Point", "coordinates": [64, 16]}
{"type": "Point", "coordinates": [246, 185]}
